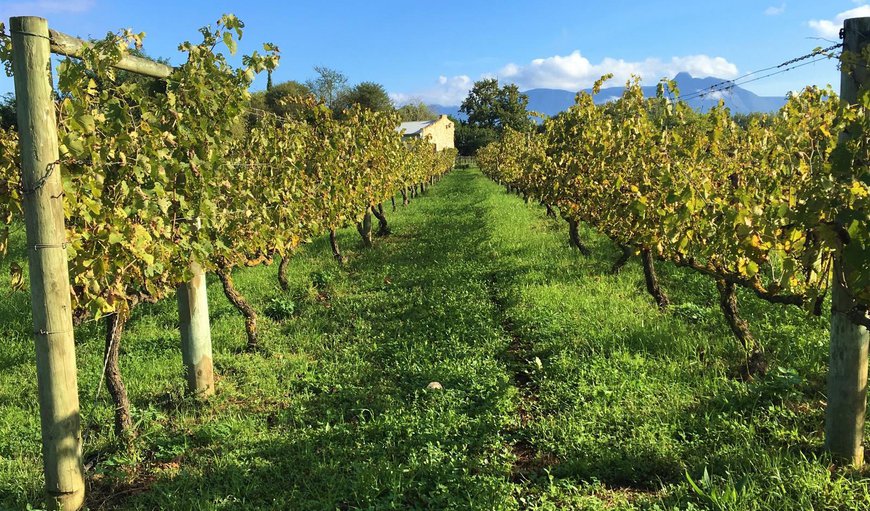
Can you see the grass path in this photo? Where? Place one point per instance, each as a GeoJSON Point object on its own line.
{"type": "Point", "coordinates": [563, 387]}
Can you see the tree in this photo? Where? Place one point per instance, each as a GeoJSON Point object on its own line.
{"type": "Point", "coordinates": [8, 115]}
{"type": "Point", "coordinates": [418, 112]}
{"type": "Point", "coordinates": [328, 86]}
{"type": "Point", "coordinates": [369, 95]}
{"type": "Point", "coordinates": [469, 138]}
{"type": "Point", "coordinates": [494, 107]}
{"type": "Point", "coordinates": [480, 104]}
{"type": "Point", "coordinates": [512, 108]}
{"type": "Point", "coordinates": [278, 99]}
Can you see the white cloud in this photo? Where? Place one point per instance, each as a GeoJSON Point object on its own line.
{"type": "Point", "coordinates": [717, 94]}
{"type": "Point", "coordinates": [774, 10]}
{"type": "Point", "coordinates": [830, 29]}
{"type": "Point", "coordinates": [575, 72]}
{"type": "Point", "coordinates": [447, 91]}
{"type": "Point", "coordinates": [44, 7]}
{"type": "Point", "coordinates": [571, 72]}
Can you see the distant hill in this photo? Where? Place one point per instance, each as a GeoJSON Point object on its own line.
{"type": "Point", "coordinates": [739, 100]}
{"type": "Point", "coordinates": [452, 111]}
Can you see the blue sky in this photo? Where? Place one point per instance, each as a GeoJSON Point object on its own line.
{"type": "Point", "coordinates": [434, 51]}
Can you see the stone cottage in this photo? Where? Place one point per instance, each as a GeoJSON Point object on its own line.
{"type": "Point", "coordinates": [439, 131]}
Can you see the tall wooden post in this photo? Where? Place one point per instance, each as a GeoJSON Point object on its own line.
{"type": "Point", "coordinates": [847, 370]}
{"type": "Point", "coordinates": [47, 258]}
{"type": "Point", "coordinates": [196, 333]}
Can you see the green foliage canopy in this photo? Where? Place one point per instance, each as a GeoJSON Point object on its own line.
{"type": "Point", "coordinates": [368, 95]}
{"type": "Point", "coordinates": [494, 107]}
{"type": "Point", "coordinates": [329, 85]}
{"type": "Point", "coordinates": [418, 111]}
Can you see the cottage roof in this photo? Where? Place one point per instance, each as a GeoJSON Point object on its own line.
{"type": "Point", "coordinates": [413, 127]}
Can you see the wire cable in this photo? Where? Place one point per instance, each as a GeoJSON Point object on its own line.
{"type": "Point", "coordinates": [783, 67]}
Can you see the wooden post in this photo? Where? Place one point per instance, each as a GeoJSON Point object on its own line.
{"type": "Point", "coordinates": [847, 369]}
{"type": "Point", "coordinates": [196, 333]}
{"type": "Point", "coordinates": [69, 46]}
{"type": "Point", "coordinates": [47, 258]}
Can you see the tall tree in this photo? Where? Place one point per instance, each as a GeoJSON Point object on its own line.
{"type": "Point", "coordinates": [471, 138]}
{"type": "Point", "coordinates": [328, 86]}
{"type": "Point", "coordinates": [279, 98]}
{"type": "Point", "coordinates": [480, 104]}
{"type": "Point", "coordinates": [494, 107]}
{"type": "Point", "coordinates": [512, 108]}
{"type": "Point", "coordinates": [418, 112]}
{"type": "Point", "coordinates": [369, 95]}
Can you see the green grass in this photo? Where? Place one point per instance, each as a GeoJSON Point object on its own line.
{"type": "Point", "coordinates": [563, 387]}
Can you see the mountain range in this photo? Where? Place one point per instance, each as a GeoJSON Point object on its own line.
{"type": "Point", "coordinates": [739, 100]}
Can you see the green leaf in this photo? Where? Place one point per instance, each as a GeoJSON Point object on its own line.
{"type": "Point", "coordinates": [230, 42]}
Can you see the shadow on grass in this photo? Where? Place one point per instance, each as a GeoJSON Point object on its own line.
{"type": "Point", "coordinates": [365, 432]}
{"type": "Point", "coordinates": [642, 426]}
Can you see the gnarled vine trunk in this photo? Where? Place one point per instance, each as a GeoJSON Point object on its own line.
{"type": "Point", "coordinates": [393, 201]}
{"type": "Point", "coordinates": [728, 304]}
{"type": "Point", "coordinates": [623, 259]}
{"type": "Point", "coordinates": [755, 361]}
{"type": "Point", "coordinates": [819, 303]}
{"type": "Point", "coordinates": [240, 303]}
{"type": "Point", "coordinates": [574, 236]}
{"type": "Point", "coordinates": [336, 250]}
{"type": "Point", "coordinates": [364, 228]}
{"type": "Point", "coordinates": [383, 226]}
{"type": "Point", "coordinates": [114, 383]}
{"type": "Point", "coordinates": [652, 280]}
{"type": "Point", "coordinates": [550, 211]}
{"type": "Point", "coordinates": [282, 272]}
{"type": "Point", "coordinates": [404, 197]}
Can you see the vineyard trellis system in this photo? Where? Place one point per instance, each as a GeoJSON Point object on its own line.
{"type": "Point", "coordinates": [133, 186]}
{"type": "Point", "coordinates": [138, 178]}
{"type": "Point", "coordinates": [778, 207]}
